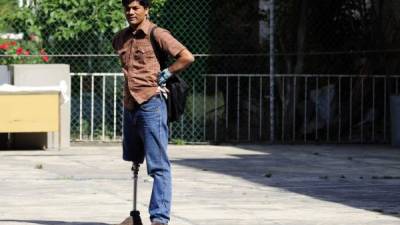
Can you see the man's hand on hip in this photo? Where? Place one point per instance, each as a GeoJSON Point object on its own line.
{"type": "Point", "coordinates": [163, 77]}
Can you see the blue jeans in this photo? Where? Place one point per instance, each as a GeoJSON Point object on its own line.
{"type": "Point", "coordinates": [145, 135]}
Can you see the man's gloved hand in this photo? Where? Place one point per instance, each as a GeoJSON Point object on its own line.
{"type": "Point", "coordinates": [163, 77]}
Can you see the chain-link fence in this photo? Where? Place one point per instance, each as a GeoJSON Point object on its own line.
{"type": "Point", "coordinates": [333, 63]}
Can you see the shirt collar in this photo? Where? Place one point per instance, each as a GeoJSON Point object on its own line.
{"type": "Point", "coordinates": [144, 27]}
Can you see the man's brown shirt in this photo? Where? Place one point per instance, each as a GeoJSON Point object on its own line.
{"type": "Point", "coordinates": [139, 62]}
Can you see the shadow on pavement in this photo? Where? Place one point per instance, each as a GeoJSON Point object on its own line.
{"type": "Point", "coordinates": [360, 177]}
{"type": "Point", "coordinates": [52, 222]}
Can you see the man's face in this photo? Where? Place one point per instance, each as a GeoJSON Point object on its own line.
{"type": "Point", "coordinates": [135, 13]}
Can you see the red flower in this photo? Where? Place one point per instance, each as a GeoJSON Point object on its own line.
{"type": "Point", "coordinates": [26, 52]}
{"type": "Point", "coordinates": [45, 58]}
{"type": "Point", "coordinates": [19, 51]}
{"type": "Point", "coordinates": [13, 43]}
{"type": "Point", "coordinates": [4, 46]}
{"type": "Point", "coordinates": [44, 55]}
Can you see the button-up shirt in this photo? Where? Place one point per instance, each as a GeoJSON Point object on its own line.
{"type": "Point", "coordinates": [139, 62]}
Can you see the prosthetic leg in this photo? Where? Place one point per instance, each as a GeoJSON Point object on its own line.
{"type": "Point", "coordinates": [134, 218]}
{"type": "Point", "coordinates": [135, 214]}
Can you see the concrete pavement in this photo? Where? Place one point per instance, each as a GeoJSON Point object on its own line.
{"type": "Point", "coordinates": [216, 185]}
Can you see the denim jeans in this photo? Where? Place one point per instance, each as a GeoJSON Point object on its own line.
{"type": "Point", "coordinates": [145, 135]}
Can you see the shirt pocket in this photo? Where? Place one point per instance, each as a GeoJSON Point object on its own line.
{"type": "Point", "coordinates": [149, 52]}
{"type": "Point", "coordinates": [138, 56]}
{"type": "Point", "coordinates": [145, 55]}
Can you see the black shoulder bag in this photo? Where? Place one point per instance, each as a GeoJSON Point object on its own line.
{"type": "Point", "coordinates": [178, 88]}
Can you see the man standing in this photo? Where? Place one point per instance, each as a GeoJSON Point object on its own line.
{"type": "Point", "coordinates": [145, 112]}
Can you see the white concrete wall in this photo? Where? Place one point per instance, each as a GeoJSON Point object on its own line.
{"type": "Point", "coordinates": [47, 75]}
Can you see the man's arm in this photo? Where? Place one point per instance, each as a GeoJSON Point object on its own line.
{"type": "Point", "coordinates": [183, 57]}
{"type": "Point", "coordinates": [183, 61]}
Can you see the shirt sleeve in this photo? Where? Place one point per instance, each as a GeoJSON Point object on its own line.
{"type": "Point", "coordinates": [114, 42]}
{"type": "Point", "coordinates": [167, 42]}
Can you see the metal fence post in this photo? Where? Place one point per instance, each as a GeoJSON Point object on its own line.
{"type": "Point", "coordinates": [272, 71]}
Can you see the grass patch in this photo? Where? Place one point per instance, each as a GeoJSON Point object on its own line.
{"type": "Point", "coordinates": [178, 141]}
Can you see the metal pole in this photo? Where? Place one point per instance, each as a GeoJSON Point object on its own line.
{"type": "Point", "coordinates": [272, 71]}
{"type": "Point", "coordinates": [135, 171]}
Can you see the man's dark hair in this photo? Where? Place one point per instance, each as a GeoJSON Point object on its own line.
{"type": "Point", "coordinates": [144, 3]}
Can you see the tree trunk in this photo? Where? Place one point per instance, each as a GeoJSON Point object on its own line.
{"type": "Point", "coordinates": [292, 91]}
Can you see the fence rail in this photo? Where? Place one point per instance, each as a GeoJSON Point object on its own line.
{"type": "Point", "coordinates": [235, 108]}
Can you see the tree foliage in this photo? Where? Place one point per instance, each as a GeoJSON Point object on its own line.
{"type": "Point", "coordinates": [7, 7]}
{"type": "Point", "coordinates": [57, 21]}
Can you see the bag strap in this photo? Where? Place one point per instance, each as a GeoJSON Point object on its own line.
{"type": "Point", "coordinates": [162, 58]}
{"type": "Point", "coordinates": [161, 55]}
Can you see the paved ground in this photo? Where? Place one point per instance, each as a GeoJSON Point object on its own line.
{"type": "Point", "coordinates": [213, 185]}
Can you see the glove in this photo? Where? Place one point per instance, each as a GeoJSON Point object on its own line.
{"type": "Point", "coordinates": [163, 77]}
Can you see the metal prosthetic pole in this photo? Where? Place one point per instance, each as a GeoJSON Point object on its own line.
{"type": "Point", "coordinates": [135, 214]}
